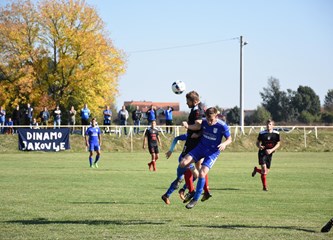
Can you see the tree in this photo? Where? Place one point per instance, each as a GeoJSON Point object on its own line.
{"type": "Point", "coordinates": [306, 100]}
{"type": "Point", "coordinates": [57, 52]}
{"type": "Point", "coordinates": [327, 117]}
{"type": "Point", "coordinates": [260, 115]}
{"type": "Point", "coordinates": [328, 102]}
{"type": "Point", "coordinates": [233, 116]}
{"type": "Point", "coordinates": [273, 98]}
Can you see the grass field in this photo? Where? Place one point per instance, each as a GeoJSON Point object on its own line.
{"type": "Point", "coordinates": [56, 196]}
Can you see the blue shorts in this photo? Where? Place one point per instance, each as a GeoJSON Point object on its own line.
{"type": "Point", "coordinates": [207, 154]}
{"type": "Point", "coordinates": [94, 147]}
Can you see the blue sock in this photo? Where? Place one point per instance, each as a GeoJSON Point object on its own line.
{"type": "Point", "coordinates": [180, 172]}
{"type": "Point", "coordinates": [173, 186]}
{"type": "Point", "coordinates": [97, 158]}
{"type": "Point", "coordinates": [90, 161]}
{"type": "Point", "coordinates": [198, 191]}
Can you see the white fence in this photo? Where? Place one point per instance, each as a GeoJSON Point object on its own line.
{"type": "Point", "coordinates": [118, 130]}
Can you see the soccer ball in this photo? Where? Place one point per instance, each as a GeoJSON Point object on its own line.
{"type": "Point", "coordinates": [178, 87]}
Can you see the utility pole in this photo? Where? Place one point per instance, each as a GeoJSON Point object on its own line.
{"type": "Point", "coordinates": [241, 122]}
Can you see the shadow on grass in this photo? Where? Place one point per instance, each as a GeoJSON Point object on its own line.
{"type": "Point", "coordinates": [250, 226]}
{"type": "Point", "coordinates": [112, 202]}
{"type": "Point", "coordinates": [225, 189]}
{"type": "Point", "coordinates": [44, 221]}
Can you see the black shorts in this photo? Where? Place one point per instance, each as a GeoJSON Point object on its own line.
{"type": "Point", "coordinates": [153, 149]}
{"type": "Point", "coordinates": [264, 158]}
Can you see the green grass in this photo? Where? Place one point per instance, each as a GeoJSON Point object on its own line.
{"type": "Point", "coordinates": [56, 196]}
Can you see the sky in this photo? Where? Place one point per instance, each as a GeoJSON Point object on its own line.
{"type": "Point", "coordinates": [197, 41]}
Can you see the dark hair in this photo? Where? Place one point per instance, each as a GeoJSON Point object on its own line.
{"type": "Point", "coordinates": [210, 111]}
{"type": "Point", "coordinates": [193, 96]}
{"type": "Point", "coordinates": [269, 121]}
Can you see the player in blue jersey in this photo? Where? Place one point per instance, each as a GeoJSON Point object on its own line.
{"type": "Point", "coordinates": [209, 148]}
{"type": "Point", "coordinates": [268, 142]}
{"type": "Point", "coordinates": [93, 142]}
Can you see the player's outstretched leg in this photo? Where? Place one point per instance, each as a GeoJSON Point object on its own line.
{"type": "Point", "coordinates": [166, 199]}
{"type": "Point", "coordinates": [327, 226]}
{"type": "Point", "coordinates": [255, 171]}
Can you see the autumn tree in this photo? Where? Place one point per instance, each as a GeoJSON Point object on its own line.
{"type": "Point", "coordinates": [57, 52]}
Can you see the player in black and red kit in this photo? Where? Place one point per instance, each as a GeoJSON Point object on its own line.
{"type": "Point", "coordinates": [153, 138]}
{"type": "Point", "coordinates": [268, 141]}
{"type": "Point", "coordinates": [193, 138]}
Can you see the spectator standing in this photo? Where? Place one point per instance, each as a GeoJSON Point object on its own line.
{"type": "Point", "coordinates": [85, 115]}
{"type": "Point", "coordinates": [16, 117]}
{"type": "Point", "coordinates": [151, 114]}
{"type": "Point", "coordinates": [34, 124]}
{"type": "Point", "coordinates": [44, 116]}
{"type": "Point", "coordinates": [168, 119]}
{"type": "Point", "coordinates": [123, 116]}
{"type": "Point", "coordinates": [9, 126]}
{"type": "Point", "coordinates": [107, 113]}
{"type": "Point", "coordinates": [136, 117]}
{"type": "Point", "coordinates": [28, 114]}
{"type": "Point", "coordinates": [71, 120]}
{"type": "Point", "coordinates": [56, 117]}
{"type": "Point", "coordinates": [2, 119]}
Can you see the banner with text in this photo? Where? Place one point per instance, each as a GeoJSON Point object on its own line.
{"type": "Point", "coordinates": [43, 139]}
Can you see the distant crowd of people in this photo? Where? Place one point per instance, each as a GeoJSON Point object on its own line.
{"type": "Point", "coordinates": [28, 117]}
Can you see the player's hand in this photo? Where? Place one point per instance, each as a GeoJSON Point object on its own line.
{"type": "Point", "coordinates": [195, 135]}
{"type": "Point", "coordinates": [269, 151]}
{"type": "Point", "coordinates": [168, 154]}
{"type": "Point", "coordinates": [185, 124]}
{"type": "Point", "coordinates": [222, 147]}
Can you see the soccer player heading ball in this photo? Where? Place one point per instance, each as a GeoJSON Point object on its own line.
{"type": "Point", "coordinates": [209, 148]}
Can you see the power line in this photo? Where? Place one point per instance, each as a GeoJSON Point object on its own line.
{"type": "Point", "coordinates": [182, 46]}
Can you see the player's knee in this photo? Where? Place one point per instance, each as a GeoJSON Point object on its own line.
{"type": "Point", "coordinates": [183, 163]}
{"type": "Point", "coordinates": [195, 173]}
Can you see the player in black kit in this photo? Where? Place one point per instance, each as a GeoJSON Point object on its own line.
{"type": "Point", "coordinates": [268, 141]}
